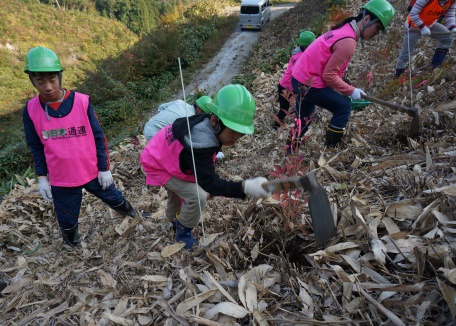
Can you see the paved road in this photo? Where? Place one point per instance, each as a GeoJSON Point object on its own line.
{"type": "Point", "coordinates": [228, 62]}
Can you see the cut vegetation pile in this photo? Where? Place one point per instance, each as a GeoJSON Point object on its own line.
{"type": "Point", "coordinates": [393, 198]}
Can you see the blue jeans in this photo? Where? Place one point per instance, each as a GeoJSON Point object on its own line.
{"type": "Point", "coordinates": [327, 98]}
{"type": "Point", "coordinates": [67, 200]}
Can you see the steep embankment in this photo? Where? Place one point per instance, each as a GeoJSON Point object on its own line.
{"type": "Point", "coordinates": [80, 39]}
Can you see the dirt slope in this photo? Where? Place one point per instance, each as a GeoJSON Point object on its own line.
{"type": "Point", "coordinates": [394, 200]}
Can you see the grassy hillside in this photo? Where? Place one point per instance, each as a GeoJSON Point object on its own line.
{"type": "Point", "coordinates": [125, 76]}
{"type": "Point", "coordinates": [78, 38]}
{"type": "Point", "coordinates": [393, 201]}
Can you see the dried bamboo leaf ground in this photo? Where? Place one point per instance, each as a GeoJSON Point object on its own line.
{"type": "Point", "coordinates": [392, 262]}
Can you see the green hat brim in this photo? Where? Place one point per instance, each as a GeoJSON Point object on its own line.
{"type": "Point", "coordinates": [238, 127]}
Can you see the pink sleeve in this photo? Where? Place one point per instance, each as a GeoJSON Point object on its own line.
{"type": "Point", "coordinates": [342, 51]}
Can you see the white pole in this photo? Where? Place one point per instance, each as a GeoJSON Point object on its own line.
{"type": "Point", "coordinates": [193, 155]}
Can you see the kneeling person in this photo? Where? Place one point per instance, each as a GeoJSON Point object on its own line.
{"type": "Point", "coordinates": [167, 159]}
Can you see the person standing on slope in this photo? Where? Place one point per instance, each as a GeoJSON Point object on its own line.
{"type": "Point", "coordinates": [422, 20]}
{"type": "Point", "coordinates": [68, 145]}
{"type": "Point", "coordinates": [168, 161]}
{"type": "Point", "coordinates": [284, 88]}
{"type": "Point", "coordinates": [317, 75]}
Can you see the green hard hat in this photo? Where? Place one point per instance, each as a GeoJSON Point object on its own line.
{"type": "Point", "coordinates": [41, 59]}
{"type": "Point", "coordinates": [305, 38]}
{"type": "Point", "coordinates": [203, 103]}
{"type": "Point", "coordinates": [382, 9]}
{"type": "Point", "coordinates": [235, 106]}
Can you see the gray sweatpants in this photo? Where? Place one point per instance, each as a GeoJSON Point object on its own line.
{"type": "Point", "coordinates": [412, 35]}
{"type": "Point", "coordinates": [189, 209]}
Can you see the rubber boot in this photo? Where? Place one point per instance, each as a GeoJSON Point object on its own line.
{"type": "Point", "coordinates": [281, 116]}
{"type": "Point", "coordinates": [125, 209]}
{"type": "Point", "coordinates": [333, 136]}
{"type": "Point", "coordinates": [439, 56]}
{"type": "Point", "coordinates": [71, 236]}
{"type": "Point", "coordinates": [399, 72]}
{"type": "Point", "coordinates": [184, 234]}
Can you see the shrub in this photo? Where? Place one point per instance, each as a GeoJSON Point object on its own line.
{"type": "Point", "coordinates": [14, 159]}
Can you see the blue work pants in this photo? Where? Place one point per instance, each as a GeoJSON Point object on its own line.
{"type": "Point", "coordinates": [67, 200]}
{"type": "Point", "coordinates": [327, 98]}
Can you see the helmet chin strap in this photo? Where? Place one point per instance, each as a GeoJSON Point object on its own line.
{"type": "Point", "coordinates": [220, 126]}
{"type": "Point", "coordinates": [361, 33]}
{"type": "Point", "coordinates": [371, 21]}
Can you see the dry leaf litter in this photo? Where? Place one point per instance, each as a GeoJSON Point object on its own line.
{"type": "Point", "coordinates": [393, 198]}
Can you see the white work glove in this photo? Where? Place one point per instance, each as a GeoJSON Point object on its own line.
{"type": "Point", "coordinates": [220, 156]}
{"type": "Point", "coordinates": [425, 31]}
{"type": "Point", "coordinates": [105, 179]}
{"type": "Point", "coordinates": [45, 188]}
{"type": "Point", "coordinates": [453, 30]}
{"type": "Point", "coordinates": [356, 95]}
{"type": "Point", "coordinates": [253, 187]}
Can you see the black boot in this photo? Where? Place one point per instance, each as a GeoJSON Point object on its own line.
{"type": "Point", "coordinates": [399, 72]}
{"type": "Point", "coordinates": [276, 125]}
{"type": "Point", "coordinates": [439, 56]}
{"type": "Point", "coordinates": [71, 236]}
{"type": "Point", "coordinates": [333, 136]}
{"type": "Point", "coordinates": [125, 209]}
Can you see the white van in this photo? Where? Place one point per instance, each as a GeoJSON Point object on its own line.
{"type": "Point", "coordinates": [254, 14]}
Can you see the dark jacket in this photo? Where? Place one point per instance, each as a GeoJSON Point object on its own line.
{"type": "Point", "coordinates": [205, 147]}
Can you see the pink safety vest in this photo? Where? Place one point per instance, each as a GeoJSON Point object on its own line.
{"type": "Point", "coordinates": [69, 145]}
{"type": "Point", "coordinates": [286, 78]}
{"type": "Point", "coordinates": [309, 67]}
{"type": "Point", "coordinates": [160, 159]}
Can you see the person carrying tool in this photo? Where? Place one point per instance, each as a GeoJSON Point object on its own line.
{"type": "Point", "coordinates": [317, 75]}
{"type": "Point", "coordinates": [174, 156]}
{"type": "Point", "coordinates": [284, 88]}
{"type": "Point", "coordinates": [68, 145]}
{"type": "Point", "coordinates": [422, 20]}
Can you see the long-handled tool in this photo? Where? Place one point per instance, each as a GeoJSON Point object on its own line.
{"type": "Point", "coordinates": [411, 111]}
{"type": "Point", "coordinates": [320, 208]}
{"type": "Point", "coordinates": [442, 33]}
